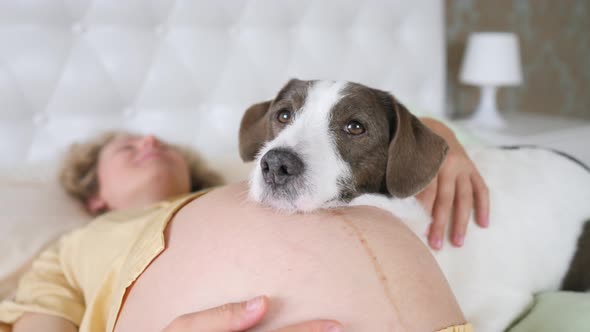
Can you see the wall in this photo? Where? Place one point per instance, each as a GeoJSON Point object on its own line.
{"type": "Point", "coordinates": [555, 51]}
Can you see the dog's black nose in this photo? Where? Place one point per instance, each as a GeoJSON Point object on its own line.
{"type": "Point", "coordinates": [280, 166]}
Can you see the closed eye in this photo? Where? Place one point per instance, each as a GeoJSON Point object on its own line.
{"type": "Point", "coordinates": [125, 147]}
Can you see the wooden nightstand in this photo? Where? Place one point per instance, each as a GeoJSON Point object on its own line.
{"type": "Point", "coordinates": [571, 136]}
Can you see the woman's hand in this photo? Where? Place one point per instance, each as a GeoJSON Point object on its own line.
{"type": "Point", "coordinates": [458, 186]}
{"type": "Point", "coordinates": [234, 317]}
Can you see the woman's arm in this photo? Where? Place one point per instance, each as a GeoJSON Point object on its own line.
{"type": "Point", "coordinates": [458, 186]}
{"type": "Point", "coordinates": [33, 322]}
{"type": "Point", "coordinates": [45, 288]}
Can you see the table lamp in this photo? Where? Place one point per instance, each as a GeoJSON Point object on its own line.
{"type": "Point", "coordinates": [492, 59]}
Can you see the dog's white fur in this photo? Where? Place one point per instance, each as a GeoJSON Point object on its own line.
{"type": "Point", "coordinates": [310, 137]}
{"type": "Point", "coordinates": [539, 201]}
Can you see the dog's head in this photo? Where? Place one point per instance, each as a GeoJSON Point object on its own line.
{"type": "Point", "coordinates": [320, 142]}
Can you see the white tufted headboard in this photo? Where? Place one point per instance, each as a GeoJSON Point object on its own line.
{"type": "Point", "coordinates": [187, 69]}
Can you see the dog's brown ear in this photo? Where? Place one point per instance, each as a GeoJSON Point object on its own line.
{"type": "Point", "coordinates": [415, 154]}
{"type": "Point", "coordinates": [254, 130]}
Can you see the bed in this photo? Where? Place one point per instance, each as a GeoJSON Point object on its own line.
{"type": "Point", "coordinates": [184, 70]}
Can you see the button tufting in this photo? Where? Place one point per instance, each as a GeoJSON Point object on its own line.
{"type": "Point", "coordinates": [161, 30]}
{"type": "Point", "coordinates": [40, 118]}
{"type": "Point", "coordinates": [201, 54]}
{"type": "Point", "coordinates": [79, 28]}
{"type": "Point", "coordinates": [129, 112]}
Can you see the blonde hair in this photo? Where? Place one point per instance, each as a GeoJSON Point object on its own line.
{"type": "Point", "coordinates": [79, 176]}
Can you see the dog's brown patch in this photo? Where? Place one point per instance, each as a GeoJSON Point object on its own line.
{"type": "Point", "coordinates": [259, 123]}
{"type": "Point", "coordinates": [367, 153]}
{"type": "Point", "coordinates": [397, 155]}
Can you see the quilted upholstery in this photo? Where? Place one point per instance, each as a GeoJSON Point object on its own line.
{"type": "Point", "coordinates": [187, 69]}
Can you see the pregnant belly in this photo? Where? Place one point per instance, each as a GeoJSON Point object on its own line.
{"type": "Point", "coordinates": [351, 265]}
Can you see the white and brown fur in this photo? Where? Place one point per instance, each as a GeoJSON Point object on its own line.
{"type": "Point", "coordinates": [539, 199]}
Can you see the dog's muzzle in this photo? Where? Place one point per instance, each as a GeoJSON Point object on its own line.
{"type": "Point", "coordinates": [280, 167]}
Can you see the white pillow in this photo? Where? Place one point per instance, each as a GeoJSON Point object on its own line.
{"type": "Point", "coordinates": [34, 211]}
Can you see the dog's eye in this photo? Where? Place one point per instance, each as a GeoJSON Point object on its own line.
{"type": "Point", "coordinates": [355, 128]}
{"type": "Point", "coordinates": [284, 116]}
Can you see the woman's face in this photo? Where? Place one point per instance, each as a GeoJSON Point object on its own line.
{"type": "Point", "coordinates": [138, 170]}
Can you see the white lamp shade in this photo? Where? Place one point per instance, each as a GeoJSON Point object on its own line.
{"type": "Point", "coordinates": [492, 59]}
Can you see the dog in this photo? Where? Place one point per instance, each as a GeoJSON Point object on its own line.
{"type": "Point", "coordinates": [321, 144]}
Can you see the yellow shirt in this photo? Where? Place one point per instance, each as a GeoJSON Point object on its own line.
{"type": "Point", "coordinates": [84, 275]}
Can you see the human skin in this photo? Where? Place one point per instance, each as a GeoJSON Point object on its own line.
{"type": "Point", "coordinates": [457, 187]}
{"type": "Point", "coordinates": [357, 265]}
{"type": "Point", "coordinates": [135, 171]}
{"type": "Point", "coordinates": [241, 316]}
{"type": "Point", "coordinates": [124, 183]}
{"type": "Point", "coordinates": [40, 322]}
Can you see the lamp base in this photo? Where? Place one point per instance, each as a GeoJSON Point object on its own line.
{"type": "Point", "coordinates": [486, 114]}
